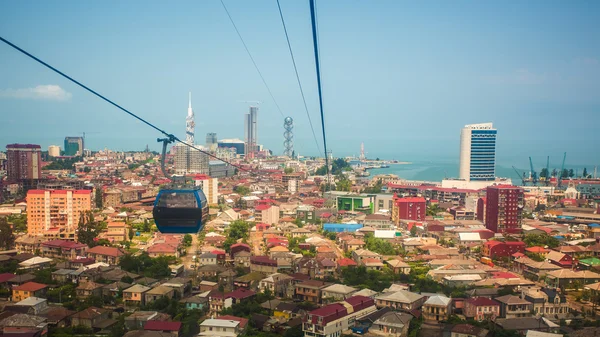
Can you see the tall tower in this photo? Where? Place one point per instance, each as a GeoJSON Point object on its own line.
{"type": "Point", "coordinates": [190, 124]}
{"type": "Point", "coordinates": [250, 132]}
{"type": "Point", "coordinates": [288, 137]}
{"type": "Point", "coordinates": [478, 152]}
{"type": "Point", "coordinates": [362, 151]}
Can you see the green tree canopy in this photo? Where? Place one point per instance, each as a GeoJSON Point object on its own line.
{"type": "Point", "coordinates": [88, 229]}
{"type": "Point", "coordinates": [7, 237]}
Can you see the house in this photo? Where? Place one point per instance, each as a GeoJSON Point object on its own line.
{"type": "Point", "coordinates": [372, 263]}
{"type": "Point", "coordinates": [135, 295]}
{"type": "Point", "coordinates": [158, 292]}
{"type": "Point", "coordinates": [62, 249]}
{"type": "Point", "coordinates": [336, 292]}
{"type": "Point", "coordinates": [467, 330]}
{"type": "Point", "coordinates": [239, 295]}
{"type": "Point", "coordinates": [88, 288]}
{"type": "Point", "coordinates": [24, 324]}
{"type": "Point", "coordinates": [287, 310]}
{"type": "Point", "coordinates": [181, 285]}
{"type": "Point", "coordinates": [238, 247]}
{"type": "Point", "coordinates": [90, 317]}
{"type": "Point", "coordinates": [400, 300]}
{"type": "Point", "coordinates": [399, 267]}
{"type": "Point", "coordinates": [523, 324]}
{"type": "Point", "coordinates": [110, 255]}
{"type": "Point", "coordinates": [499, 249]}
{"type": "Point", "coordinates": [62, 275]}
{"type": "Point", "coordinates": [59, 317]}
{"type": "Point", "coordinates": [481, 308]}
{"type": "Point", "coordinates": [27, 290]}
{"type": "Point", "coordinates": [560, 259]}
{"type": "Point", "coordinates": [300, 232]}
{"type": "Point", "coordinates": [207, 259]}
{"type": "Point", "coordinates": [195, 302]}
{"type": "Point", "coordinates": [208, 286]}
{"type": "Point", "coordinates": [249, 280]}
{"type": "Point", "coordinates": [461, 280]}
{"type": "Point", "coordinates": [310, 291]}
{"type": "Point", "coordinates": [113, 289]}
{"type": "Point", "coordinates": [569, 279]}
{"type": "Point", "coordinates": [210, 270]}
{"type": "Point", "coordinates": [163, 249]}
{"type": "Point", "coordinates": [137, 319]}
{"type": "Point", "coordinates": [353, 244]}
{"type": "Point", "coordinates": [220, 328]}
{"type": "Point", "coordinates": [277, 283]}
{"type": "Point", "coordinates": [514, 307]}
{"type": "Point", "coordinates": [172, 328]}
{"type": "Point", "coordinates": [242, 259]}
{"type": "Point", "coordinates": [333, 319]}
{"type": "Point", "coordinates": [263, 264]}
{"type": "Point", "coordinates": [437, 308]}
{"type": "Point", "coordinates": [36, 305]}
{"type": "Point", "coordinates": [547, 302]}
{"type": "Point", "coordinates": [360, 254]}
{"type": "Point", "coordinates": [392, 323]}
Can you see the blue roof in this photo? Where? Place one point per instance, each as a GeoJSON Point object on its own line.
{"type": "Point", "coordinates": [593, 225]}
{"type": "Point", "coordinates": [559, 237]}
{"type": "Point", "coordinates": [341, 227]}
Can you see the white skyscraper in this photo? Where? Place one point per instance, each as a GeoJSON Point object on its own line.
{"type": "Point", "coordinates": [187, 159]}
{"type": "Point", "coordinates": [478, 152]}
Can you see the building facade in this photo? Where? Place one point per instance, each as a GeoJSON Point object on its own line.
{"type": "Point", "coordinates": [331, 320]}
{"type": "Point", "coordinates": [504, 208]}
{"type": "Point", "coordinates": [57, 209]}
{"type": "Point", "coordinates": [54, 151]}
{"type": "Point", "coordinates": [210, 187]}
{"type": "Point", "coordinates": [189, 160]}
{"type": "Point", "coordinates": [74, 146]}
{"type": "Point", "coordinates": [23, 162]}
{"type": "Point", "coordinates": [251, 132]}
{"type": "Point", "coordinates": [478, 152]}
{"type": "Point", "coordinates": [412, 208]}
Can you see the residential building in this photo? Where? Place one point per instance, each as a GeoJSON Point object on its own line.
{"type": "Point", "coordinates": [56, 210]}
{"type": "Point", "coordinates": [220, 328]}
{"type": "Point", "coordinates": [135, 295]}
{"type": "Point", "coordinates": [268, 214]}
{"type": "Point", "coordinates": [333, 319]}
{"type": "Point", "coordinates": [355, 203]}
{"type": "Point", "coordinates": [569, 279]}
{"type": "Point", "coordinates": [110, 255]}
{"type": "Point", "coordinates": [210, 187]}
{"type": "Point", "coordinates": [263, 264]}
{"type": "Point", "coordinates": [90, 317]}
{"type": "Point", "coordinates": [171, 328]}
{"type": "Point", "coordinates": [158, 292]}
{"type": "Point", "coordinates": [504, 208]}
{"type": "Point", "coordinates": [560, 259]}
{"type": "Point", "coordinates": [277, 283]}
{"type": "Point", "coordinates": [481, 308]}
{"type": "Point", "coordinates": [478, 152]}
{"type": "Point", "coordinates": [207, 259]}
{"type": "Point", "coordinates": [400, 300]}
{"type": "Point", "coordinates": [392, 323]}
{"type": "Point", "coordinates": [514, 307]}
{"type": "Point", "coordinates": [547, 302]}
{"type": "Point", "coordinates": [499, 249]}
{"type": "Point", "coordinates": [89, 288]}
{"type": "Point", "coordinates": [29, 289]}
{"type": "Point", "coordinates": [23, 162]}
{"type": "Point", "coordinates": [337, 292]}
{"type": "Point", "coordinates": [310, 291]}
{"type": "Point", "coordinates": [63, 249]}
{"type": "Point", "coordinates": [468, 330]}
{"type": "Point", "coordinates": [410, 208]}
{"type": "Point", "coordinates": [437, 308]}
{"type": "Point", "coordinates": [36, 305]}
{"type": "Point", "coordinates": [74, 146]}
{"type": "Point", "coordinates": [54, 151]}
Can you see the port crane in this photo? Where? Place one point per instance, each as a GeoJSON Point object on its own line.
{"type": "Point", "coordinates": [522, 176]}
{"type": "Point", "coordinates": [560, 173]}
{"type": "Point", "coordinates": [533, 174]}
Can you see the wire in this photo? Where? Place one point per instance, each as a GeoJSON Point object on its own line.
{"type": "Point", "coordinates": [317, 65]}
{"type": "Point", "coordinates": [171, 137]}
{"type": "Point", "coordinates": [298, 78]}
{"type": "Point", "coordinates": [252, 58]}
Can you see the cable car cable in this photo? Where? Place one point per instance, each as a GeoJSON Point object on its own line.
{"type": "Point", "coordinates": [313, 18]}
{"type": "Point", "coordinates": [298, 78]}
{"type": "Point", "coordinates": [252, 59]}
{"type": "Point", "coordinates": [172, 138]}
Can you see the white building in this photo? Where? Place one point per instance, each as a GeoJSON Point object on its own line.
{"type": "Point", "coordinates": [292, 185]}
{"type": "Point", "coordinates": [210, 187]}
{"type": "Point", "coordinates": [220, 328]}
{"type": "Point", "coordinates": [251, 132]}
{"type": "Point", "coordinates": [54, 151]}
{"type": "Point", "coordinates": [188, 160]}
{"type": "Point", "coordinates": [478, 152]}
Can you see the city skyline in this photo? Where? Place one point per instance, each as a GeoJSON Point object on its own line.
{"type": "Point", "coordinates": [482, 62]}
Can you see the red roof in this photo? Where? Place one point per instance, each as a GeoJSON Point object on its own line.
{"type": "Point", "coordinates": [346, 262]}
{"type": "Point", "coordinates": [162, 248]}
{"type": "Point", "coordinates": [239, 245]}
{"type": "Point", "coordinates": [30, 286]}
{"type": "Point", "coordinates": [262, 207]}
{"type": "Point", "coordinates": [243, 321]}
{"type": "Point", "coordinates": [240, 294]}
{"type": "Point", "coordinates": [108, 251]}
{"type": "Point", "coordinates": [493, 243]}
{"type": "Point", "coordinates": [503, 274]}
{"type": "Point", "coordinates": [325, 215]}
{"type": "Point", "coordinates": [64, 244]}
{"type": "Point", "coordinates": [412, 199]}
{"type": "Point", "coordinates": [481, 301]}
{"type": "Point", "coordinates": [537, 250]}
{"type": "Point", "coordinates": [162, 326]}
{"type": "Point", "coordinates": [5, 277]}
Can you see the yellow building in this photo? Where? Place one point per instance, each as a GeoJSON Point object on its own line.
{"type": "Point", "coordinates": [28, 290]}
{"type": "Point", "coordinates": [56, 209]}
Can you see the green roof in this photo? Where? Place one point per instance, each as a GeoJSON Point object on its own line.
{"type": "Point", "coordinates": [592, 261]}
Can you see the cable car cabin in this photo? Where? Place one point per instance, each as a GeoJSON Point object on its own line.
{"type": "Point", "coordinates": [180, 210]}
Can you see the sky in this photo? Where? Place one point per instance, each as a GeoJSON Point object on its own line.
{"type": "Point", "coordinates": [401, 77]}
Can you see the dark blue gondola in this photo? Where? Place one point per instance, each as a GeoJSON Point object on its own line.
{"type": "Point", "coordinates": [180, 210]}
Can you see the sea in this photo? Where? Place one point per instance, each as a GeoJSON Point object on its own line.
{"type": "Point", "coordinates": [437, 171]}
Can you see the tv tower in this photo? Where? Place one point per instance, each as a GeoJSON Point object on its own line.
{"type": "Point", "coordinates": [190, 124]}
{"type": "Point", "coordinates": [288, 136]}
{"type": "Point", "coordinates": [362, 151]}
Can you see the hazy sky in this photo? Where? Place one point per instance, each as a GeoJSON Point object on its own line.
{"type": "Point", "coordinates": [402, 77]}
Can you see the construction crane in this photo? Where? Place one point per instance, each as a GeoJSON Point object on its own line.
{"type": "Point", "coordinates": [533, 173]}
{"type": "Point", "coordinates": [522, 176]}
{"type": "Point", "coordinates": [562, 168]}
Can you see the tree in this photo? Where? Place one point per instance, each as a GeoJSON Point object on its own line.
{"type": "Point", "coordinates": [288, 170]}
{"type": "Point", "coordinates": [131, 233]}
{"type": "Point", "coordinates": [7, 237]}
{"type": "Point", "coordinates": [241, 190]}
{"type": "Point", "coordinates": [238, 229]}
{"type": "Point", "coordinates": [98, 198]}
{"type": "Point", "coordinates": [187, 240]}
{"type": "Point", "coordinates": [585, 173]}
{"type": "Point", "coordinates": [344, 184]}
{"type": "Point", "coordinates": [413, 231]}
{"type": "Point", "coordinates": [532, 240]}
{"type": "Point", "coordinates": [571, 173]}
{"type": "Point", "coordinates": [88, 229]}
{"type": "Point", "coordinates": [379, 245]}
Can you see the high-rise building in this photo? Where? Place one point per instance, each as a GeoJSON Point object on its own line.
{"type": "Point", "coordinates": [211, 141]}
{"type": "Point", "coordinates": [410, 208]}
{"type": "Point", "coordinates": [23, 162]}
{"type": "Point", "coordinates": [478, 152]}
{"type": "Point", "coordinates": [54, 151]}
{"type": "Point", "coordinates": [250, 132]}
{"type": "Point", "coordinates": [187, 159]}
{"type": "Point", "coordinates": [74, 146]}
{"type": "Point", "coordinates": [237, 144]}
{"type": "Point", "coordinates": [56, 211]}
{"type": "Point", "coordinates": [210, 187]}
{"type": "Point", "coordinates": [504, 208]}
